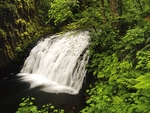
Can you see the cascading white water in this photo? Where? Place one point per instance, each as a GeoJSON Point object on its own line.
{"type": "Point", "coordinates": [58, 62]}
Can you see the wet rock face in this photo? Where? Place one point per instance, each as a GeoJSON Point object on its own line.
{"type": "Point", "coordinates": [16, 28]}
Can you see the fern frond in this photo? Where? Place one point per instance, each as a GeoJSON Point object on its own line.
{"type": "Point", "coordinates": [143, 82]}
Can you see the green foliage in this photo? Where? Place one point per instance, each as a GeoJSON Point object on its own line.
{"type": "Point", "coordinates": [90, 17]}
{"type": "Point", "coordinates": [27, 106]}
{"type": "Point", "coordinates": [121, 63]}
{"type": "Point", "coordinates": [143, 82]}
{"type": "Point", "coordinates": [143, 60]}
{"type": "Point", "coordinates": [119, 49]}
{"type": "Point", "coordinates": [7, 10]}
{"type": "Point", "coordinates": [142, 97]}
{"type": "Point", "coordinates": [134, 40]}
{"type": "Point", "coordinates": [42, 7]}
{"type": "Point", "coordinates": [61, 10]}
{"type": "Point", "coordinates": [76, 14]}
{"type": "Point", "coordinates": [18, 49]}
{"type": "Point", "coordinates": [112, 92]}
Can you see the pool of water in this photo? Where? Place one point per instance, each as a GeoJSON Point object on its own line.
{"type": "Point", "coordinates": [13, 90]}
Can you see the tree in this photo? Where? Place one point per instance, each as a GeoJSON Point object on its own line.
{"type": "Point", "coordinates": [119, 61]}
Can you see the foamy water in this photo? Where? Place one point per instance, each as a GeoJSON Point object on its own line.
{"type": "Point", "coordinates": [57, 63]}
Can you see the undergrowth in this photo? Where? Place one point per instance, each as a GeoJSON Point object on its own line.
{"type": "Point", "coordinates": [122, 67]}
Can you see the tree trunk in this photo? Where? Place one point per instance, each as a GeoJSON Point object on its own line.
{"type": "Point", "coordinates": [103, 11]}
{"type": "Point", "coordinates": [114, 7]}
{"type": "Point", "coordinates": [116, 10]}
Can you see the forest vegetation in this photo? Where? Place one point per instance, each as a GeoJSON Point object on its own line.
{"type": "Point", "coordinates": [119, 47]}
{"type": "Point", "coordinates": [21, 22]}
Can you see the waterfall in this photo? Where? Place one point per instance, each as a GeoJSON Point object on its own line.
{"type": "Point", "coordinates": [57, 63]}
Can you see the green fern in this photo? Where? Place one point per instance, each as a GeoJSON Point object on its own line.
{"type": "Point", "coordinates": [143, 82]}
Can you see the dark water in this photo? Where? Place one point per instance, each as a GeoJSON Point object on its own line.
{"type": "Point", "coordinates": [13, 90]}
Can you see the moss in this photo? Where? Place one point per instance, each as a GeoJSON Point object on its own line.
{"type": "Point", "coordinates": [26, 33]}
{"type": "Point", "coordinates": [19, 4]}
{"type": "Point", "coordinates": [18, 31]}
{"type": "Point", "coordinates": [20, 22]}
{"type": "Point", "coordinates": [2, 34]}
{"type": "Point", "coordinates": [9, 52]}
{"type": "Point", "coordinates": [11, 34]}
{"type": "Point", "coordinates": [18, 49]}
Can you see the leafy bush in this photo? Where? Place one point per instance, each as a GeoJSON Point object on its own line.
{"type": "Point", "coordinates": [61, 10]}
{"type": "Point", "coordinates": [121, 64]}
{"type": "Point", "coordinates": [27, 106]}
